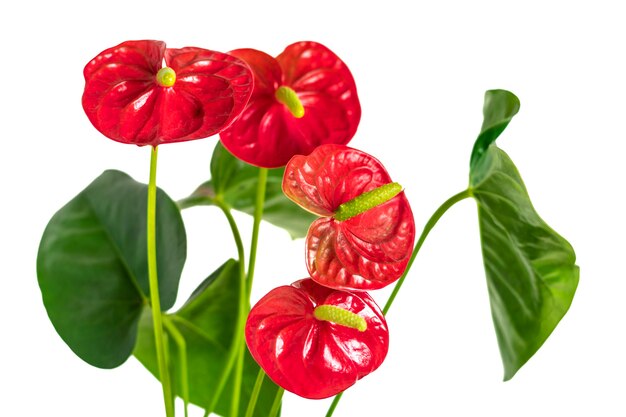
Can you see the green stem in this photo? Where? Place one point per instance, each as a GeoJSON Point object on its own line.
{"type": "Point", "coordinates": [276, 404]}
{"type": "Point", "coordinates": [238, 338]}
{"type": "Point", "coordinates": [333, 405]}
{"type": "Point", "coordinates": [238, 373]}
{"type": "Point", "coordinates": [258, 213]}
{"type": "Point", "coordinates": [255, 393]}
{"type": "Point", "coordinates": [237, 236]}
{"type": "Point", "coordinates": [181, 344]}
{"type": "Point", "coordinates": [168, 362]}
{"type": "Point", "coordinates": [155, 302]}
{"type": "Point", "coordinates": [245, 301]}
{"type": "Point", "coordinates": [429, 226]}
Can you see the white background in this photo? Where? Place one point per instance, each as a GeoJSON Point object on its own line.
{"type": "Point", "coordinates": [421, 70]}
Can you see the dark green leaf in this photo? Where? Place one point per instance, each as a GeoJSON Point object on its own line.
{"type": "Point", "coordinates": [235, 182]}
{"type": "Point", "coordinates": [206, 322]}
{"type": "Point", "coordinates": [531, 270]}
{"type": "Point", "coordinates": [499, 108]}
{"type": "Point", "coordinates": [92, 266]}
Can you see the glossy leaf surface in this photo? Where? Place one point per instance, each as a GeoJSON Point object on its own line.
{"type": "Point", "coordinates": [309, 357]}
{"type": "Point", "coordinates": [531, 270]}
{"type": "Point", "coordinates": [206, 322]}
{"type": "Point", "coordinates": [124, 101]}
{"type": "Point", "coordinates": [92, 266]}
{"type": "Point", "coordinates": [368, 251]}
{"type": "Point", "coordinates": [235, 182]}
{"type": "Point", "coordinates": [267, 134]}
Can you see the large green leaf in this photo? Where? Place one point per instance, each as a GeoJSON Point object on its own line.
{"type": "Point", "coordinates": [531, 270]}
{"type": "Point", "coordinates": [235, 182]}
{"type": "Point", "coordinates": [92, 266]}
{"type": "Point", "coordinates": [206, 322]}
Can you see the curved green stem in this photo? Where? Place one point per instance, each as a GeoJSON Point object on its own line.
{"type": "Point", "coordinates": [333, 405]}
{"type": "Point", "coordinates": [427, 228]}
{"type": "Point", "coordinates": [255, 393]}
{"type": "Point", "coordinates": [181, 344]}
{"type": "Point", "coordinates": [258, 213]}
{"type": "Point", "coordinates": [238, 341]}
{"type": "Point", "coordinates": [244, 303]}
{"type": "Point", "coordinates": [237, 237]}
{"type": "Point", "coordinates": [238, 338]}
{"type": "Point", "coordinates": [155, 302]}
{"type": "Point", "coordinates": [276, 404]}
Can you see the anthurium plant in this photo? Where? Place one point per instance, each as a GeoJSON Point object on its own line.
{"type": "Point", "coordinates": [110, 260]}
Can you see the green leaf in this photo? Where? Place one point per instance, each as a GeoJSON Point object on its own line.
{"type": "Point", "coordinates": [531, 270]}
{"type": "Point", "coordinates": [235, 182]}
{"type": "Point", "coordinates": [499, 108]}
{"type": "Point", "coordinates": [92, 266]}
{"type": "Point", "coordinates": [206, 322]}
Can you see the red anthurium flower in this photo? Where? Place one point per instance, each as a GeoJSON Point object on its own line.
{"type": "Point", "coordinates": [315, 341]}
{"type": "Point", "coordinates": [303, 98]}
{"type": "Point", "coordinates": [365, 238]}
{"type": "Point", "coordinates": [132, 96]}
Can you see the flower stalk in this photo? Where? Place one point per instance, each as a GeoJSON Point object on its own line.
{"type": "Point", "coordinates": [155, 303]}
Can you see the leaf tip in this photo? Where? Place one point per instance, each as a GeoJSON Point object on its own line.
{"type": "Point", "coordinates": [498, 109]}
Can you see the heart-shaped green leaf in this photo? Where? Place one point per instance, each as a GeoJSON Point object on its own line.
{"type": "Point", "coordinates": [235, 182]}
{"type": "Point", "coordinates": [206, 323]}
{"type": "Point", "coordinates": [531, 270]}
{"type": "Point", "coordinates": [92, 266]}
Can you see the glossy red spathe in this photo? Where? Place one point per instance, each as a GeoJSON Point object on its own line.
{"type": "Point", "coordinates": [125, 100]}
{"type": "Point", "coordinates": [268, 133]}
{"type": "Point", "coordinates": [365, 252]}
{"type": "Point", "coordinates": [309, 357]}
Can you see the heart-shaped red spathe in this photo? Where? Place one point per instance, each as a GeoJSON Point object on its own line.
{"type": "Point", "coordinates": [267, 134]}
{"type": "Point", "coordinates": [309, 357]}
{"type": "Point", "coordinates": [124, 101]}
{"type": "Point", "coordinates": [365, 252]}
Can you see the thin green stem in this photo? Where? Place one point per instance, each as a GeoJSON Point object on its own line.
{"type": "Point", "coordinates": [255, 393]}
{"type": "Point", "coordinates": [166, 353]}
{"type": "Point", "coordinates": [155, 302]}
{"type": "Point", "coordinates": [245, 301]}
{"type": "Point", "coordinates": [276, 404]}
{"type": "Point", "coordinates": [238, 373]}
{"type": "Point", "coordinates": [258, 213]}
{"type": "Point", "coordinates": [233, 353]}
{"type": "Point", "coordinates": [429, 226]}
{"type": "Point", "coordinates": [333, 405]}
{"type": "Point", "coordinates": [181, 344]}
{"type": "Point", "coordinates": [236, 235]}
{"type": "Point", "coordinates": [237, 348]}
